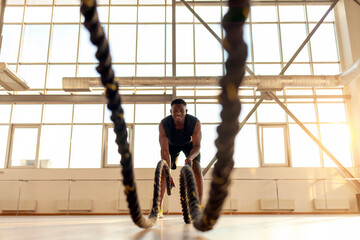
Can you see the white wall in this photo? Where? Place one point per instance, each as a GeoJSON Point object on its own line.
{"type": "Point", "coordinates": [104, 188]}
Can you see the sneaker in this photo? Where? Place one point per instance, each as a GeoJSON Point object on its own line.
{"type": "Point", "coordinates": [160, 214]}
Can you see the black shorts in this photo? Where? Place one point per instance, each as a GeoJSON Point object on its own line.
{"type": "Point", "coordinates": [175, 152]}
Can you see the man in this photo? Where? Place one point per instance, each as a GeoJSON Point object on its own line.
{"type": "Point", "coordinates": [180, 132]}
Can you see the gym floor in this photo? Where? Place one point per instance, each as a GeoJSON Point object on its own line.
{"type": "Point", "coordinates": [172, 227]}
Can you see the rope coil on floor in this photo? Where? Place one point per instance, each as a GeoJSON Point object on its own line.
{"type": "Point", "coordinates": [233, 24]}
{"type": "Point", "coordinates": [97, 37]}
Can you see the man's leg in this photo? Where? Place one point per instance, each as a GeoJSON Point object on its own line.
{"type": "Point", "coordinates": [196, 169]}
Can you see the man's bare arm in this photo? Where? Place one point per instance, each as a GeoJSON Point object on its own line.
{"type": "Point", "coordinates": [196, 140]}
{"type": "Point", "coordinates": [164, 144]}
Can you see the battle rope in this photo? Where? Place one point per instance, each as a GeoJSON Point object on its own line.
{"type": "Point", "coordinates": [97, 37]}
{"type": "Point", "coordinates": [233, 23]}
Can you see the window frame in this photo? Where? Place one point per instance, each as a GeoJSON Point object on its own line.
{"type": "Point", "coordinates": [12, 128]}
{"type": "Point", "coordinates": [106, 127]}
{"type": "Point", "coordinates": [286, 144]}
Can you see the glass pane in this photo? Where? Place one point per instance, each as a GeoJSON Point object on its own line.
{"type": "Point", "coordinates": [151, 14]}
{"type": "Point", "coordinates": [334, 91]}
{"type": "Point", "coordinates": [168, 47]}
{"type": "Point", "coordinates": [298, 69]}
{"type": "Point", "coordinates": [86, 147]}
{"type": "Point", "coordinates": [185, 70]}
{"type": "Point", "coordinates": [15, 2]}
{"type": "Point", "coordinates": [124, 70]}
{"type": "Point", "coordinates": [294, 91]}
{"type": "Point", "coordinates": [10, 43]}
{"type": "Point", "coordinates": [122, 48]}
{"type": "Point", "coordinates": [54, 146]}
{"type": "Point", "coordinates": [86, 49]}
{"type": "Point", "coordinates": [208, 113]}
{"type": "Point", "coordinates": [146, 149]}
{"type": "Point", "coordinates": [263, 14]}
{"type": "Point", "coordinates": [123, 1]}
{"type": "Point", "coordinates": [64, 43]}
{"type": "Point", "coordinates": [123, 14]}
{"type": "Point", "coordinates": [151, 2]}
{"type": "Point", "coordinates": [207, 48]}
{"type": "Point", "coordinates": [13, 14]}
{"type": "Point", "coordinates": [149, 113]}
{"type": "Point", "coordinates": [34, 75]}
{"type": "Point", "coordinates": [266, 43]}
{"type": "Point", "coordinates": [26, 113]}
{"type": "Point", "coordinates": [315, 13]}
{"type": "Point", "coordinates": [3, 144]}
{"type": "Point", "coordinates": [209, 69]}
{"type": "Point", "coordinates": [56, 74]}
{"type": "Point", "coordinates": [58, 113]}
{"type": "Point", "coordinates": [182, 15]}
{"type": "Point", "coordinates": [184, 92]}
{"type": "Point", "coordinates": [326, 69]}
{"type": "Point", "coordinates": [103, 13]}
{"type": "Point", "coordinates": [336, 138]}
{"type": "Point", "coordinates": [85, 70]}
{"type": "Point", "coordinates": [304, 151]}
{"type": "Point", "coordinates": [24, 144]}
{"type": "Point", "coordinates": [323, 44]}
{"type": "Point", "coordinates": [37, 14]}
{"type": "Point", "coordinates": [88, 113]}
{"type": "Point", "coordinates": [66, 14]}
{"type": "Point", "coordinates": [149, 70]}
{"type": "Point", "coordinates": [65, 2]}
{"type": "Point", "coordinates": [207, 92]}
{"type": "Point", "coordinates": [273, 145]}
{"type": "Point", "coordinates": [267, 69]}
{"type": "Point", "coordinates": [208, 13]}
{"type": "Point", "coordinates": [305, 112]}
{"type": "Point", "coordinates": [292, 13]}
{"type": "Point", "coordinates": [246, 147]}
{"type": "Point", "coordinates": [245, 110]}
{"type": "Point", "coordinates": [113, 156]}
{"type": "Point", "coordinates": [208, 148]}
{"type": "Point", "coordinates": [151, 47]}
{"type": "Point", "coordinates": [39, 2]}
{"type": "Point", "coordinates": [35, 43]}
{"type": "Point", "coordinates": [184, 43]}
{"type": "Point", "coordinates": [5, 113]}
{"type": "Point", "coordinates": [332, 112]}
{"type": "Point", "coordinates": [292, 36]}
{"type": "Point", "coordinates": [247, 39]}
{"type": "Point", "coordinates": [270, 113]}
{"type": "Point", "coordinates": [128, 113]}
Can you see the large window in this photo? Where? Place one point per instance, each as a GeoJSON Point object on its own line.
{"type": "Point", "coordinates": [57, 45]}
{"type": "Point", "coordinates": [46, 40]}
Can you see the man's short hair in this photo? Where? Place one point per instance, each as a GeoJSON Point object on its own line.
{"type": "Point", "coordinates": [178, 101]}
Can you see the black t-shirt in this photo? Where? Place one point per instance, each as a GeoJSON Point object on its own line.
{"type": "Point", "coordinates": [179, 137]}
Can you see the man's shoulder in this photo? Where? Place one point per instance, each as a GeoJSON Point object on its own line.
{"type": "Point", "coordinates": [166, 120]}
{"type": "Point", "coordinates": [192, 118]}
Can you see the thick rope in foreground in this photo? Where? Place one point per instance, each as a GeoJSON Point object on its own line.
{"type": "Point", "coordinates": [233, 23]}
{"type": "Point", "coordinates": [97, 37]}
